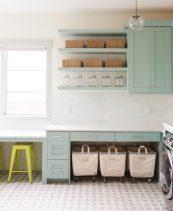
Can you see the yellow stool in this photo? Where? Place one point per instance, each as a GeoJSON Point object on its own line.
{"type": "Point", "coordinates": [2, 160]}
{"type": "Point", "coordinates": [17, 148]}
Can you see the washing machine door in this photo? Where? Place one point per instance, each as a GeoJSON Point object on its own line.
{"type": "Point", "coordinates": [167, 173]}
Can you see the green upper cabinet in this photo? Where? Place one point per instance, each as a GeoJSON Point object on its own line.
{"type": "Point", "coordinates": [149, 60]}
{"type": "Point", "coordinates": [160, 61]}
{"type": "Point", "coordinates": [138, 71]}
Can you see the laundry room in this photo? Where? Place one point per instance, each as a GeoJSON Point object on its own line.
{"type": "Point", "coordinates": [86, 105]}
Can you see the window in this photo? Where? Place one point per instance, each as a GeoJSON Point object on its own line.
{"type": "Point", "coordinates": [24, 81]}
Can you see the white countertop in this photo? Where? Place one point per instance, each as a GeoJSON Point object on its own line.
{"type": "Point", "coordinates": [95, 127]}
{"type": "Point", "coordinates": [38, 134]}
{"type": "Point", "coordinates": [41, 134]}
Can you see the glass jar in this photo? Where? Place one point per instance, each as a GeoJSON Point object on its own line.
{"type": "Point", "coordinates": [66, 81]}
{"type": "Point", "coordinates": [106, 81]}
{"type": "Point", "coordinates": [78, 80]}
{"type": "Point", "coordinates": [92, 81]}
{"type": "Point", "coordinates": [119, 81]}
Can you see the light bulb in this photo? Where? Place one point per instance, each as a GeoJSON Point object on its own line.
{"type": "Point", "coordinates": [136, 22]}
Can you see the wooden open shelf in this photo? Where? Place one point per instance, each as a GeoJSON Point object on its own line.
{"type": "Point", "coordinates": [92, 50]}
{"type": "Point", "coordinates": [93, 69]}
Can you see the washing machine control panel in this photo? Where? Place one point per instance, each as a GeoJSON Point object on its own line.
{"type": "Point", "coordinates": [168, 141]}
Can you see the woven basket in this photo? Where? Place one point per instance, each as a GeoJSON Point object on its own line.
{"type": "Point", "coordinates": [92, 63]}
{"type": "Point", "coordinates": [71, 63]}
{"type": "Point", "coordinates": [95, 43]}
{"type": "Point", "coordinates": [74, 43]}
{"type": "Point", "coordinates": [114, 63]}
{"type": "Point", "coordinates": [116, 43]}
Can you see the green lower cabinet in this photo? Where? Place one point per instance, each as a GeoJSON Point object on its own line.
{"type": "Point", "coordinates": [58, 169]}
{"type": "Point", "coordinates": [138, 136]}
{"type": "Point", "coordinates": [58, 150]}
{"type": "Point", "coordinates": [56, 157]}
{"type": "Point", "coordinates": [57, 136]}
{"type": "Point", "coordinates": [149, 60]}
{"type": "Point", "coordinates": [92, 136]}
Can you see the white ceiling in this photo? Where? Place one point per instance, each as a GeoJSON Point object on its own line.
{"type": "Point", "coordinates": [60, 6]}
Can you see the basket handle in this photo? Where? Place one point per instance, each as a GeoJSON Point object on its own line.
{"type": "Point", "coordinates": [114, 148]}
{"type": "Point", "coordinates": [83, 148]}
{"type": "Point", "coordinates": [139, 149]}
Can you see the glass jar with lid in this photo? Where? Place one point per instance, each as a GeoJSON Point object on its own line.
{"type": "Point", "coordinates": [106, 81]}
{"type": "Point", "coordinates": [119, 81]}
{"type": "Point", "coordinates": [92, 81]}
{"type": "Point", "coordinates": [79, 81]}
{"type": "Point", "coordinates": [66, 81]}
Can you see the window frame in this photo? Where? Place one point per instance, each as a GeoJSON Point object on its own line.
{"type": "Point", "coordinates": [4, 80]}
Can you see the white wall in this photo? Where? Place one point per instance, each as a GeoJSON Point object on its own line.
{"type": "Point", "coordinates": [125, 111]}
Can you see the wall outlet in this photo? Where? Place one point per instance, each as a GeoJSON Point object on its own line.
{"type": "Point", "coordinates": [148, 110]}
{"type": "Point", "coordinates": [69, 109]}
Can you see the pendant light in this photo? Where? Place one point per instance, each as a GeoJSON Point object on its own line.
{"type": "Point", "coordinates": [136, 22]}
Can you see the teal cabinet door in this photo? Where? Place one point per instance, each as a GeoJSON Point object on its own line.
{"type": "Point", "coordinates": [58, 150]}
{"type": "Point", "coordinates": [138, 61]}
{"type": "Point", "coordinates": [58, 169]}
{"type": "Point", "coordinates": [160, 71]}
{"type": "Point", "coordinates": [149, 60]}
{"type": "Point", "coordinates": [56, 156]}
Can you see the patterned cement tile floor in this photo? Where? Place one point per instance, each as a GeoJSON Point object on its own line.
{"type": "Point", "coordinates": [20, 195]}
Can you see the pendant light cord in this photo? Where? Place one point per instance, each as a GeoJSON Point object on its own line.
{"type": "Point", "coordinates": [136, 8]}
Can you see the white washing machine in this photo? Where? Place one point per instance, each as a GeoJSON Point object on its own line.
{"type": "Point", "coordinates": [167, 169]}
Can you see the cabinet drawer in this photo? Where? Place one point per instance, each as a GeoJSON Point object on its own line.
{"type": "Point", "coordinates": [58, 150]}
{"type": "Point", "coordinates": [58, 136]}
{"type": "Point", "coordinates": [92, 136]}
{"type": "Point", "coordinates": [138, 136]}
{"type": "Point", "coordinates": [58, 169]}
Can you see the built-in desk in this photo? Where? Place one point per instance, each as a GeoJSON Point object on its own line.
{"type": "Point", "coordinates": [57, 147]}
{"type": "Point", "coordinates": [56, 144]}
{"type": "Point", "coordinates": [22, 136]}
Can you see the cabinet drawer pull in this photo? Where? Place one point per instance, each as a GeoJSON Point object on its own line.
{"type": "Point", "coordinates": [92, 136]}
{"type": "Point", "coordinates": [136, 136]}
{"type": "Point", "coordinates": [57, 148]}
{"type": "Point", "coordinates": [57, 169]}
{"type": "Point", "coordinates": [56, 152]}
{"type": "Point", "coordinates": [58, 136]}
